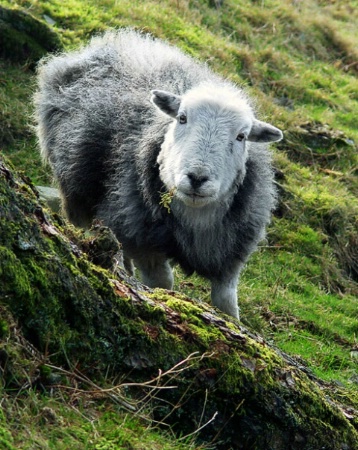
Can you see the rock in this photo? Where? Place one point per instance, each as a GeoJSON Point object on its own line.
{"type": "Point", "coordinates": [50, 196]}
{"type": "Point", "coordinates": [23, 38]}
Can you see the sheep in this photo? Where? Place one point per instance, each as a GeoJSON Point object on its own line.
{"type": "Point", "coordinates": [165, 152]}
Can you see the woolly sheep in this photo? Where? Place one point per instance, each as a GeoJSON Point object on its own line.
{"type": "Point", "coordinates": [116, 154]}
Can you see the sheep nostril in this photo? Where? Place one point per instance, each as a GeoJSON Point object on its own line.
{"type": "Point", "coordinates": [197, 180]}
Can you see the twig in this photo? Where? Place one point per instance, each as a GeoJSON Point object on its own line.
{"type": "Point", "coordinates": [204, 407]}
{"type": "Point", "coordinates": [155, 385]}
{"type": "Point", "coordinates": [199, 429]}
{"type": "Point", "coordinates": [228, 420]}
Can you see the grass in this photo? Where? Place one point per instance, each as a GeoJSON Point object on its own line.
{"type": "Point", "coordinates": [304, 314]}
{"type": "Point", "coordinates": [299, 60]}
{"type": "Point", "coordinates": [81, 423]}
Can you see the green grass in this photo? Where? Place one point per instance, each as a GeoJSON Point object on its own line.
{"type": "Point", "coordinates": [17, 139]}
{"type": "Point", "coordinates": [77, 422]}
{"type": "Point", "coordinates": [289, 290]}
{"type": "Point", "coordinates": [299, 60]}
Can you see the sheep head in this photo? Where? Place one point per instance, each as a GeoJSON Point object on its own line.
{"type": "Point", "coordinates": [205, 149]}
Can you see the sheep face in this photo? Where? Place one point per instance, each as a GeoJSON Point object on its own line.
{"type": "Point", "coordinates": [204, 153]}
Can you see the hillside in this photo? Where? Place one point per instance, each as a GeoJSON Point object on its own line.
{"type": "Point", "coordinates": [300, 61]}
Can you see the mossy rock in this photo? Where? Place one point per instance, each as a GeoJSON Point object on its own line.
{"type": "Point", "coordinates": [23, 38]}
{"type": "Point", "coordinates": [111, 326]}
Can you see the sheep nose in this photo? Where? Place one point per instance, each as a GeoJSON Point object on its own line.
{"type": "Point", "coordinates": [197, 181]}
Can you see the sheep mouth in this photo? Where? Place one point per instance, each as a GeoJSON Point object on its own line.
{"type": "Point", "coordinates": [193, 199]}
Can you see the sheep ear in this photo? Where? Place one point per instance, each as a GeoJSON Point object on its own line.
{"type": "Point", "coordinates": [167, 103]}
{"type": "Point", "coordinates": [264, 132]}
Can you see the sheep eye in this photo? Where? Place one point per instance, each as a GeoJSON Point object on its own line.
{"type": "Point", "coordinates": [240, 137]}
{"type": "Point", "coordinates": [182, 118]}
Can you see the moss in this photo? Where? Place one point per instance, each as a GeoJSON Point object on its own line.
{"type": "Point", "coordinates": [240, 366]}
{"type": "Point", "coordinates": [6, 440]}
{"type": "Point", "coordinates": [303, 239]}
{"type": "Point", "coordinates": [4, 328]}
{"type": "Point", "coordinates": [14, 275]}
{"type": "Point", "coordinates": [178, 302]}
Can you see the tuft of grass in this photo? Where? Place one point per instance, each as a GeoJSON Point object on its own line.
{"type": "Point", "coordinates": [81, 423]}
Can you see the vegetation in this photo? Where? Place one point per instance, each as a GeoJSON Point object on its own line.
{"type": "Point", "coordinates": [300, 60]}
{"type": "Point", "coordinates": [181, 363]}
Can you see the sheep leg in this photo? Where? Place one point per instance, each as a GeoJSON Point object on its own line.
{"type": "Point", "coordinates": [126, 261]}
{"type": "Point", "coordinates": [155, 271]}
{"type": "Point", "coordinates": [224, 293]}
{"type": "Point", "coordinates": [128, 265]}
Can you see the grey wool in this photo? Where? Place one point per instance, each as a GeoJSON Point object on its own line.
{"type": "Point", "coordinates": [166, 153]}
